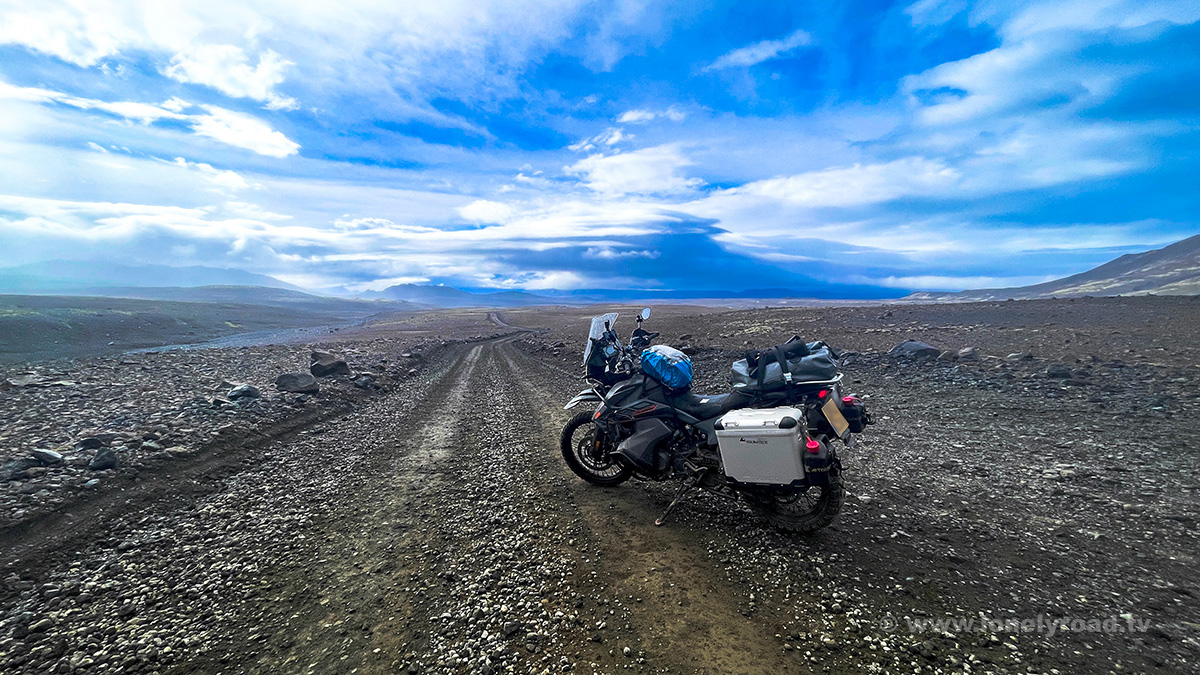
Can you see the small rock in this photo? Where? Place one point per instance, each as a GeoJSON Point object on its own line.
{"type": "Point", "coordinates": [299, 383]}
{"type": "Point", "coordinates": [243, 391]}
{"type": "Point", "coordinates": [105, 459]}
{"type": "Point", "coordinates": [968, 354]}
{"type": "Point", "coordinates": [90, 443]}
{"type": "Point", "coordinates": [18, 468]}
{"type": "Point", "coordinates": [324, 364]}
{"type": "Point", "coordinates": [46, 457]}
{"type": "Point", "coordinates": [915, 349]}
{"type": "Point", "coordinates": [1058, 371]}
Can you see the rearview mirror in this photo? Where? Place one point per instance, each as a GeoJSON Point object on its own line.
{"type": "Point", "coordinates": [645, 314]}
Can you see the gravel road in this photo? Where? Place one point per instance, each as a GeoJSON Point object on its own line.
{"type": "Point", "coordinates": [434, 528]}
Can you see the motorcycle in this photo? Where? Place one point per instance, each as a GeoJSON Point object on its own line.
{"type": "Point", "coordinates": [771, 447]}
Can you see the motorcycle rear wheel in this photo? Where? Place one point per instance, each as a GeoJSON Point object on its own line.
{"type": "Point", "coordinates": [802, 512]}
{"type": "Point", "coordinates": [587, 454]}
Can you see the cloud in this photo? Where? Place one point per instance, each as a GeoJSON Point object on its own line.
{"type": "Point", "coordinates": [856, 185]}
{"type": "Point", "coordinates": [484, 211]}
{"type": "Point", "coordinates": [243, 131]}
{"type": "Point", "coordinates": [438, 140]}
{"type": "Point", "coordinates": [227, 69]}
{"type": "Point", "coordinates": [750, 55]}
{"type": "Point", "coordinates": [609, 137]}
{"type": "Point", "coordinates": [656, 170]}
{"type": "Point", "coordinates": [642, 116]}
{"type": "Point", "coordinates": [218, 177]}
{"type": "Point", "coordinates": [612, 253]}
{"type": "Point", "coordinates": [220, 124]}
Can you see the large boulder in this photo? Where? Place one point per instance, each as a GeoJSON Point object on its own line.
{"type": "Point", "coordinates": [325, 364]}
{"type": "Point", "coordinates": [915, 350]}
{"type": "Point", "coordinates": [297, 383]}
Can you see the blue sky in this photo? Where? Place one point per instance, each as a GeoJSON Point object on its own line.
{"type": "Point", "coordinates": [573, 145]}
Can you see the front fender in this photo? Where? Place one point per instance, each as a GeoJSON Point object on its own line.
{"type": "Point", "coordinates": [583, 397]}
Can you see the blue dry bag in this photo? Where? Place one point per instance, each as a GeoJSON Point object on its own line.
{"type": "Point", "coordinates": [668, 365]}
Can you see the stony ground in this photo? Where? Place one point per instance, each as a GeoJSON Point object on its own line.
{"type": "Point", "coordinates": [425, 523]}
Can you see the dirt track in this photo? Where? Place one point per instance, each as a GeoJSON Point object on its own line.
{"type": "Point", "coordinates": [435, 529]}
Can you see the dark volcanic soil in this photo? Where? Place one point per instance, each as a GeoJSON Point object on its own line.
{"type": "Point", "coordinates": [424, 522]}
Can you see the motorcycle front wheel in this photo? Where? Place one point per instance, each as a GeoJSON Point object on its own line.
{"type": "Point", "coordinates": [802, 512]}
{"type": "Point", "coordinates": [589, 453]}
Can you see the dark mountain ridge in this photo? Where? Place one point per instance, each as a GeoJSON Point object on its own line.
{"type": "Point", "coordinates": [1170, 270]}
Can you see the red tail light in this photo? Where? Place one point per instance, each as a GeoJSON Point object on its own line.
{"type": "Point", "coordinates": [813, 446]}
{"type": "Point", "coordinates": [823, 393]}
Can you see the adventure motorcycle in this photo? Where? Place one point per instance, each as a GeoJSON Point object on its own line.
{"type": "Point", "coordinates": [769, 441]}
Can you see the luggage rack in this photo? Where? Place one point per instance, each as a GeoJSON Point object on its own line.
{"type": "Point", "coordinates": [806, 383]}
{"type": "Point", "coordinates": [792, 393]}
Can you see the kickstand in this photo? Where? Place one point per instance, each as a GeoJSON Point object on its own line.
{"type": "Point", "coordinates": [684, 486]}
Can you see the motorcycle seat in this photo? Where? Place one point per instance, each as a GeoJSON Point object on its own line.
{"type": "Point", "coordinates": [707, 407]}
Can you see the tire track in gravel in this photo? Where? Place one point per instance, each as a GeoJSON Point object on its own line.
{"type": "Point", "coordinates": [453, 558]}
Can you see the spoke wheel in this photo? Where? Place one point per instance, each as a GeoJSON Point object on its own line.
{"type": "Point", "coordinates": [589, 453]}
{"type": "Point", "coordinates": [802, 511]}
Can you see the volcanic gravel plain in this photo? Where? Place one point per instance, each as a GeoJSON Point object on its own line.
{"type": "Point", "coordinates": [1027, 502]}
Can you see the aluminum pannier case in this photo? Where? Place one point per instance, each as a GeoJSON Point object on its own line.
{"type": "Point", "coordinates": [763, 445]}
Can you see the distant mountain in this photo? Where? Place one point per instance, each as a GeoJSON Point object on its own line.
{"type": "Point", "coordinates": [446, 296]}
{"type": "Point", "coordinates": [70, 277]}
{"type": "Point", "coordinates": [816, 291]}
{"type": "Point", "coordinates": [254, 295]}
{"type": "Point", "coordinates": [1171, 270]}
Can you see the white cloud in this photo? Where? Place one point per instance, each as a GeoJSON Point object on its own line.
{"type": "Point", "coordinates": [71, 34]}
{"type": "Point", "coordinates": [229, 127]}
{"type": "Point", "coordinates": [484, 211]}
{"type": "Point", "coordinates": [252, 212]}
{"type": "Point", "coordinates": [243, 131]}
{"type": "Point", "coordinates": [227, 69]}
{"type": "Point", "coordinates": [613, 253]}
{"type": "Point", "coordinates": [934, 12]}
{"type": "Point", "coordinates": [218, 177]}
{"type": "Point", "coordinates": [760, 51]}
{"type": "Point", "coordinates": [377, 225]}
{"type": "Point", "coordinates": [1093, 15]}
{"type": "Point", "coordinates": [553, 280]}
{"type": "Point", "coordinates": [643, 116]}
{"type": "Point", "coordinates": [856, 185]}
{"type": "Point", "coordinates": [656, 170]}
{"type": "Point", "coordinates": [609, 137]}
{"type": "Point", "coordinates": [636, 116]}
{"type": "Point", "coordinates": [934, 282]}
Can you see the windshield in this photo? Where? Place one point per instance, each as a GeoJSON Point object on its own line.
{"type": "Point", "coordinates": [597, 330]}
